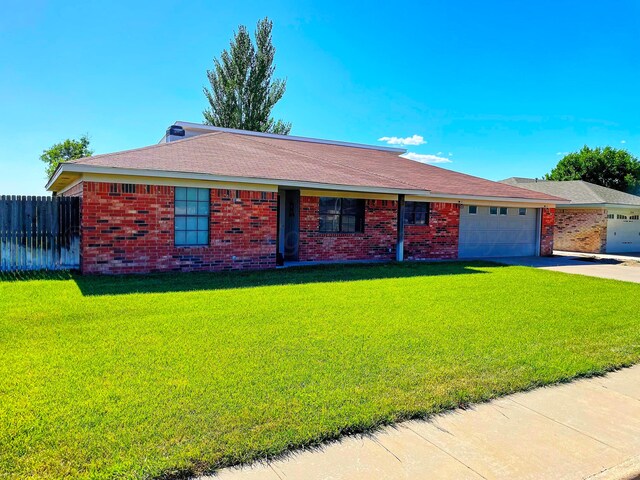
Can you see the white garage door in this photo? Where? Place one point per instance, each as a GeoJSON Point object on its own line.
{"type": "Point", "coordinates": [623, 231]}
{"type": "Point", "coordinates": [497, 231]}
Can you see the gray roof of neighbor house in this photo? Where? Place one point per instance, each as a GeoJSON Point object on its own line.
{"type": "Point", "coordinates": [578, 192]}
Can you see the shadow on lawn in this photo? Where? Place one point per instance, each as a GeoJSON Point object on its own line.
{"type": "Point", "coordinates": [36, 275]}
{"type": "Point", "coordinates": [184, 282]}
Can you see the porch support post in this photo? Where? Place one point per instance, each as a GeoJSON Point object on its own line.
{"type": "Point", "coordinates": [400, 230]}
{"type": "Point", "coordinates": [281, 219]}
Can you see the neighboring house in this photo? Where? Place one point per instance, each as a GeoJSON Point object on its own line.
{"type": "Point", "coordinates": [596, 219]}
{"type": "Point", "coordinates": [209, 198]}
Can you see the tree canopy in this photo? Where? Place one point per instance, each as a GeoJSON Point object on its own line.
{"type": "Point", "coordinates": [243, 91]}
{"type": "Point", "coordinates": [609, 167]}
{"type": "Point", "coordinates": [70, 149]}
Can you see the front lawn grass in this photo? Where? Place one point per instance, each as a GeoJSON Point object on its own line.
{"type": "Point", "coordinates": [168, 375]}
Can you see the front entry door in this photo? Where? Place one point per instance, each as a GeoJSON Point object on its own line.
{"type": "Point", "coordinates": [291, 224]}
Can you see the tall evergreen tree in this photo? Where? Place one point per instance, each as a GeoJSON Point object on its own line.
{"type": "Point", "coordinates": [243, 91]}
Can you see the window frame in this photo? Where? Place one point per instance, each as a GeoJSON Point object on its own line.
{"type": "Point", "coordinates": [506, 211]}
{"type": "Point", "coordinates": [475, 209]}
{"type": "Point", "coordinates": [493, 210]}
{"type": "Point", "coordinates": [182, 221]}
{"type": "Point", "coordinates": [410, 213]}
{"type": "Point", "coordinates": [522, 211]}
{"type": "Point", "coordinates": [342, 209]}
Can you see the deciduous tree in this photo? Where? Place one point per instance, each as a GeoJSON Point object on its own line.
{"type": "Point", "coordinates": [69, 149]}
{"type": "Point", "coordinates": [243, 91]}
{"type": "Point", "coordinates": [609, 167]}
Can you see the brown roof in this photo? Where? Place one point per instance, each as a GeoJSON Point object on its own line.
{"type": "Point", "coordinates": [239, 155]}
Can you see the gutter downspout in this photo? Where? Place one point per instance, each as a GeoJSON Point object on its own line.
{"type": "Point", "coordinates": [540, 214]}
{"type": "Point", "coordinates": [400, 230]}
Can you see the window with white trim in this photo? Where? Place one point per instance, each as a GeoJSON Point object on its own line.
{"type": "Point", "coordinates": [473, 209]}
{"type": "Point", "coordinates": [504, 210]}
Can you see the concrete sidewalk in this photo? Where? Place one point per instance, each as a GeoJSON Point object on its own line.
{"type": "Point", "coordinates": [586, 429]}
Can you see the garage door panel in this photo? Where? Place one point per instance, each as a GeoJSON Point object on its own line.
{"type": "Point", "coordinates": [623, 231]}
{"type": "Point", "coordinates": [486, 235]}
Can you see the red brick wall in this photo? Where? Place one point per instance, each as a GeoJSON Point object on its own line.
{"type": "Point", "coordinates": [546, 231]}
{"type": "Point", "coordinates": [75, 191]}
{"type": "Point", "coordinates": [439, 239]}
{"type": "Point", "coordinates": [134, 232]}
{"type": "Point", "coordinates": [377, 242]}
{"type": "Point", "coordinates": [581, 230]}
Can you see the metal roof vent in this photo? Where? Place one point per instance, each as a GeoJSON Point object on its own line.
{"type": "Point", "coordinates": [175, 132]}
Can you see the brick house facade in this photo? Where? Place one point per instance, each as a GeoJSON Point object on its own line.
{"type": "Point", "coordinates": [581, 230]}
{"type": "Point", "coordinates": [128, 228]}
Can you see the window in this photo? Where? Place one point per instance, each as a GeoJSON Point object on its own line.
{"type": "Point", "coordinates": [503, 210]}
{"type": "Point", "coordinates": [341, 215]}
{"type": "Point", "coordinates": [622, 217]}
{"type": "Point", "coordinates": [473, 210]}
{"type": "Point", "coordinates": [416, 213]}
{"type": "Point", "coordinates": [493, 210]}
{"type": "Point", "coordinates": [522, 211]}
{"type": "Point", "coordinates": [191, 216]}
{"type": "Point", "coordinates": [634, 217]}
{"type": "Point", "coordinates": [611, 216]}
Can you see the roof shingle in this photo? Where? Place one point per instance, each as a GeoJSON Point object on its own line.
{"type": "Point", "coordinates": [578, 192]}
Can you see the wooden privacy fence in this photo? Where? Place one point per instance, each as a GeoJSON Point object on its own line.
{"type": "Point", "coordinates": [39, 233]}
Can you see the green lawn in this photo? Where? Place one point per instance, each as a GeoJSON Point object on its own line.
{"type": "Point", "coordinates": [169, 375]}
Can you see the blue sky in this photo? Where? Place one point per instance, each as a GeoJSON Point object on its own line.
{"type": "Point", "coordinates": [498, 88]}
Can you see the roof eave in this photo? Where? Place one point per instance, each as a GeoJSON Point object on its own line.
{"type": "Point", "coordinates": [81, 168]}
{"type": "Point", "coordinates": [598, 205]}
{"type": "Point", "coordinates": [54, 176]}
{"type": "Point", "coordinates": [497, 199]}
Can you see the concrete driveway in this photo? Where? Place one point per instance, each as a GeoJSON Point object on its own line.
{"type": "Point", "coordinates": [614, 267]}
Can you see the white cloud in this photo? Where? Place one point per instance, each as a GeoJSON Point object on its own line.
{"type": "Point", "coordinates": [450, 154]}
{"type": "Point", "coordinates": [562, 153]}
{"type": "Point", "coordinates": [425, 158]}
{"type": "Point", "coordinates": [439, 153]}
{"type": "Point", "coordinates": [623, 141]}
{"type": "Point", "coordinates": [413, 140]}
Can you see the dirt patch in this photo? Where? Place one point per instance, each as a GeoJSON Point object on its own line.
{"type": "Point", "coordinates": [631, 263]}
